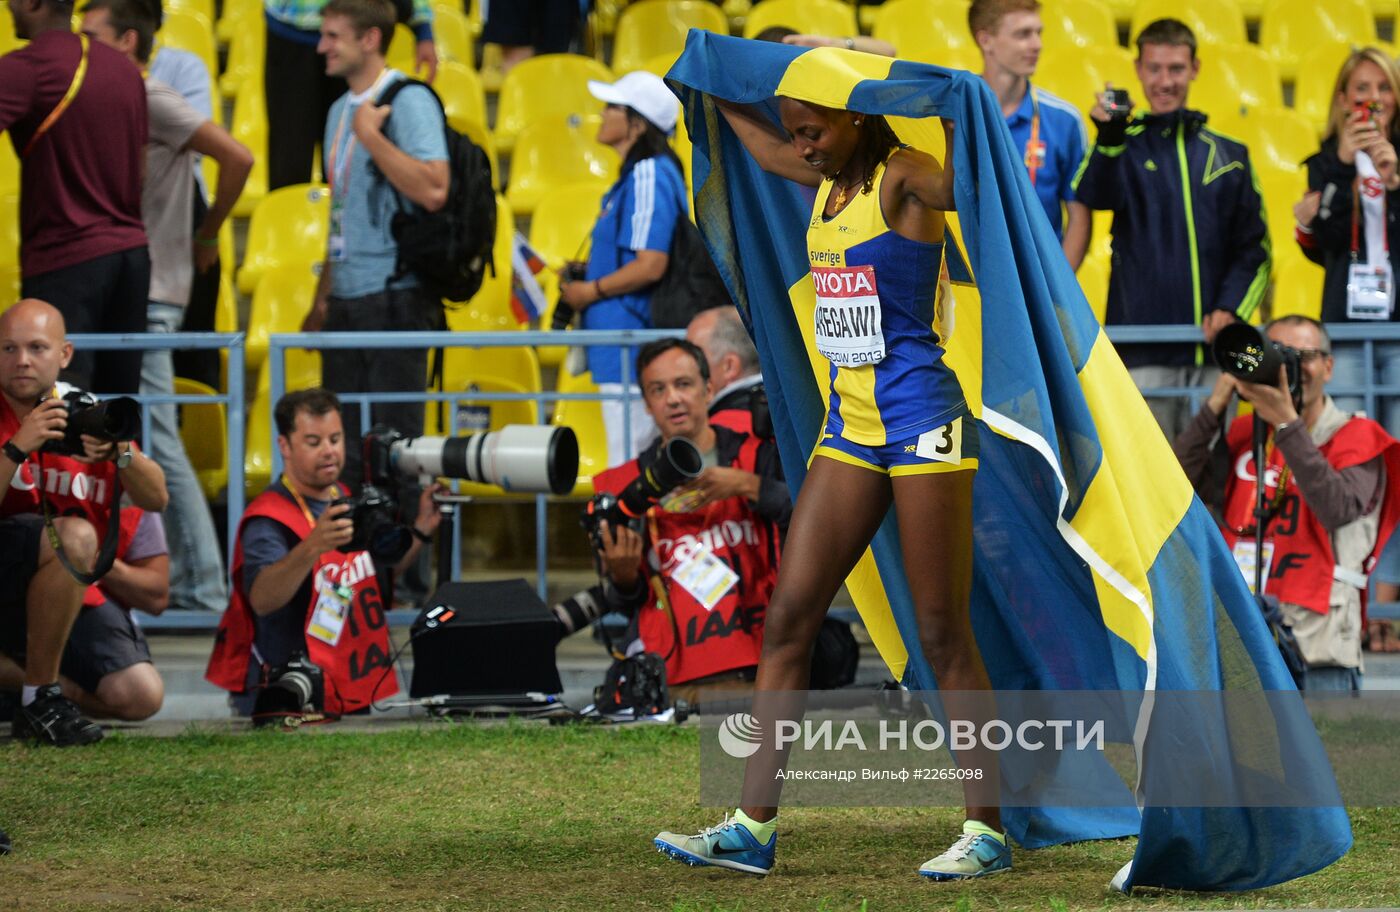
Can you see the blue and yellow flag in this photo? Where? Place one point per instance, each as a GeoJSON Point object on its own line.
{"type": "Point", "coordinates": [1096, 568]}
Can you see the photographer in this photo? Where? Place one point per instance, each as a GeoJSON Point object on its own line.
{"type": "Point", "coordinates": [722, 527]}
{"type": "Point", "coordinates": [1329, 492]}
{"type": "Point", "coordinates": [1190, 245]}
{"type": "Point", "coordinates": [297, 587]}
{"type": "Point", "coordinates": [77, 489]}
{"type": "Point", "coordinates": [733, 364]}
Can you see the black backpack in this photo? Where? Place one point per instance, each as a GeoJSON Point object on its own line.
{"type": "Point", "coordinates": [691, 282]}
{"type": "Point", "coordinates": [448, 250]}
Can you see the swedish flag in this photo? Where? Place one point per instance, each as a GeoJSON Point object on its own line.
{"type": "Point", "coordinates": [1095, 567]}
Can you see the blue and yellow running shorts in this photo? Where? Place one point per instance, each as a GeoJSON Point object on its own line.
{"type": "Point", "coordinates": [951, 447]}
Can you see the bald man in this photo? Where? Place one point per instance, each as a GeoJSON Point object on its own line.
{"type": "Point", "coordinates": [734, 368]}
{"type": "Point", "coordinates": [41, 598]}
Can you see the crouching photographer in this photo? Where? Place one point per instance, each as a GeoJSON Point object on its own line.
{"type": "Point", "coordinates": [305, 630]}
{"type": "Point", "coordinates": [1330, 499]}
{"type": "Point", "coordinates": [688, 533]}
{"type": "Point", "coordinates": [66, 463]}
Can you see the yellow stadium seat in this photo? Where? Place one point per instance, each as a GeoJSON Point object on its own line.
{"type": "Point", "coordinates": [280, 304]}
{"type": "Point", "coordinates": [288, 228]}
{"type": "Point", "coordinates": [8, 41]}
{"type": "Point", "coordinates": [518, 365]}
{"type": "Point", "coordinates": [546, 88]}
{"type": "Point", "coordinates": [460, 90]}
{"type": "Point", "coordinates": [452, 36]}
{"type": "Point", "coordinates": [586, 418]}
{"type": "Point", "coordinates": [1278, 138]}
{"type": "Point", "coordinates": [1313, 93]}
{"type": "Point", "coordinates": [249, 127]}
{"type": "Point", "coordinates": [810, 17]}
{"type": "Point", "coordinates": [1113, 65]}
{"type": "Point", "coordinates": [1093, 279]}
{"type": "Point", "coordinates": [9, 248]}
{"type": "Point", "coordinates": [204, 430]}
{"type": "Point", "coordinates": [234, 16]}
{"type": "Point", "coordinates": [929, 31]}
{"type": "Point", "coordinates": [1289, 29]}
{"type": "Point", "coordinates": [247, 52]}
{"type": "Point", "coordinates": [403, 51]}
{"type": "Point", "coordinates": [492, 301]}
{"type": "Point", "coordinates": [1281, 188]}
{"type": "Point", "coordinates": [654, 27]}
{"type": "Point", "coordinates": [1076, 23]}
{"type": "Point", "coordinates": [1070, 77]}
{"type": "Point", "coordinates": [257, 446]}
{"type": "Point", "coordinates": [1212, 21]}
{"type": "Point", "coordinates": [553, 154]}
{"type": "Point", "coordinates": [1234, 79]}
{"type": "Point", "coordinates": [559, 231]}
{"type": "Point", "coordinates": [1297, 284]}
{"type": "Point", "coordinates": [660, 64]}
{"type": "Point", "coordinates": [192, 31]}
{"type": "Point", "coordinates": [9, 169]}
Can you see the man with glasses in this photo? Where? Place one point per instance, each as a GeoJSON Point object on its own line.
{"type": "Point", "coordinates": [1330, 501]}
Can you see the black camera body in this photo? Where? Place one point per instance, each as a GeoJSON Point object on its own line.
{"type": "Point", "coordinates": [116, 419]}
{"type": "Point", "coordinates": [1117, 103]}
{"type": "Point", "coordinates": [374, 513]}
{"type": "Point", "coordinates": [677, 461]}
{"type": "Point", "coordinates": [573, 271]}
{"type": "Point", "coordinates": [296, 688]}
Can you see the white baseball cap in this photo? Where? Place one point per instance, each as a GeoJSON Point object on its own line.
{"type": "Point", "coordinates": [644, 93]}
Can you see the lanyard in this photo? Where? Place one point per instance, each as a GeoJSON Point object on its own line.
{"type": "Point", "coordinates": [1356, 221]}
{"type": "Point", "coordinates": [296, 495]}
{"type": "Point", "coordinates": [78, 76]}
{"type": "Point", "coordinates": [1033, 154]}
{"type": "Point", "coordinates": [340, 173]}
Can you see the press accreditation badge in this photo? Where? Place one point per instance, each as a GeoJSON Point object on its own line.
{"type": "Point", "coordinates": [848, 329]}
{"type": "Point", "coordinates": [1245, 559]}
{"type": "Point", "coordinates": [705, 577]}
{"type": "Point", "coordinates": [335, 243]}
{"type": "Point", "coordinates": [332, 607]}
{"type": "Point", "coordinates": [1370, 291]}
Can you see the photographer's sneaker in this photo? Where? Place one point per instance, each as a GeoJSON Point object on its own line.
{"type": "Point", "coordinates": [728, 844]}
{"type": "Point", "coordinates": [973, 855]}
{"type": "Point", "coordinates": [53, 719]}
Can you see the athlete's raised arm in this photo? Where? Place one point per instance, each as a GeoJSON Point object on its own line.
{"type": "Point", "coordinates": [768, 146]}
{"type": "Point", "coordinates": [922, 177]}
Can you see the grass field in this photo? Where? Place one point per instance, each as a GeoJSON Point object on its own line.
{"type": "Point", "coordinates": [517, 817]}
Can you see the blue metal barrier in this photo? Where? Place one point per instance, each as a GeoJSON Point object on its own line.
{"type": "Point", "coordinates": [233, 400]}
{"type": "Point", "coordinates": [628, 340]}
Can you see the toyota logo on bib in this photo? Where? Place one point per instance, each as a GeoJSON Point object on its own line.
{"type": "Point", "coordinates": [740, 735]}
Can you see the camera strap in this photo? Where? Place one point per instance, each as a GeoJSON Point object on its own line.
{"type": "Point", "coordinates": [107, 554]}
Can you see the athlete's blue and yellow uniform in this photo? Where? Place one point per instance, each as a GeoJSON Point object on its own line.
{"type": "Point", "coordinates": [894, 405]}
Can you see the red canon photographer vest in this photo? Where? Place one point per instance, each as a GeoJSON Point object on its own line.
{"type": "Point", "coordinates": [730, 635]}
{"type": "Point", "coordinates": [355, 665]}
{"type": "Point", "coordinates": [72, 488]}
{"type": "Point", "coordinates": [1303, 561]}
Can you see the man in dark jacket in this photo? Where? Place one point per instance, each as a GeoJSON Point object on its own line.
{"type": "Point", "coordinates": [1190, 243]}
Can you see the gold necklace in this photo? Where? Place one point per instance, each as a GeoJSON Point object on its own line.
{"type": "Point", "coordinates": [840, 193]}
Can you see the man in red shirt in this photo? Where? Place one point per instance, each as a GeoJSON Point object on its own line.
{"type": "Point", "coordinates": [76, 114]}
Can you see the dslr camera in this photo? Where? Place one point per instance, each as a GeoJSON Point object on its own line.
{"type": "Point", "coordinates": [114, 419]}
{"type": "Point", "coordinates": [374, 514]}
{"type": "Point", "coordinates": [1243, 351]}
{"type": "Point", "coordinates": [297, 688]}
{"type": "Point", "coordinates": [1117, 104]}
{"type": "Point", "coordinates": [676, 462]}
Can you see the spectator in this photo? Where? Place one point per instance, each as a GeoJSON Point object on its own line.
{"type": "Point", "coordinates": [82, 242]}
{"type": "Point", "coordinates": [358, 289]}
{"type": "Point", "coordinates": [296, 589]}
{"type": "Point", "coordinates": [729, 517]}
{"type": "Point", "coordinates": [524, 28]}
{"type": "Point", "coordinates": [1333, 504]}
{"type": "Point", "coordinates": [1048, 130]}
{"type": "Point", "coordinates": [77, 489]}
{"type": "Point", "coordinates": [177, 133]}
{"type": "Point", "coordinates": [1190, 244]}
{"type": "Point", "coordinates": [300, 88]}
{"type": "Point", "coordinates": [733, 365]}
{"type": "Point", "coordinates": [106, 668]}
{"type": "Point", "coordinates": [1357, 161]}
{"type": "Point", "coordinates": [631, 240]}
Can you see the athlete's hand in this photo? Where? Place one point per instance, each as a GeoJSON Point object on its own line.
{"type": "Point", "coordinates": [721, 482]}
{"type": "Point", "coordinates": [44, 422]}
{"type": "Point", "coordinates": [1214, 322]}
{"type": "Point", "coordinates": [332, 531]}
{"type": "Point", "coordinates": [621, 554]}
{"type": "Point", "coordinates": [1274, 404]}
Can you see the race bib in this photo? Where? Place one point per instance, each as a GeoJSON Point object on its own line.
{"type": "Point", "coordinates": [705, 577]}
{"type": "Point", "coordinates": [1370, 292]}
{"type": "Point", "coordinates": [942, 444]}
{"type": "Point", "coordinates": [847, 316]}
{"type": "Point", "coordinates": [332, 607]}
{"type": "Point", "coordinates": [1245, 558]}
